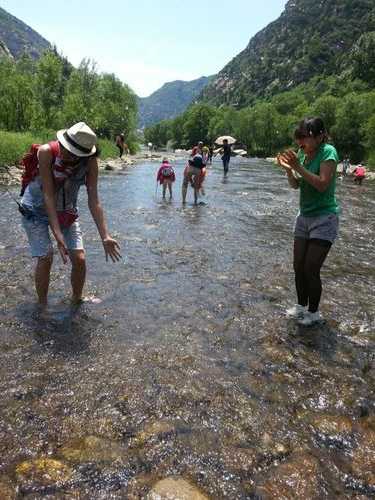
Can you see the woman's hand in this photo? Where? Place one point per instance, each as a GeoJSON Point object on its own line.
{"type": "Point", "coordinates": [111, 248]}
{"type": "Point", "coordinates": [63, 251]}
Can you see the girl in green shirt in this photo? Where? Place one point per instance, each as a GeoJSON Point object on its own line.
{"type": "Point", "coordinates": [313, 171]}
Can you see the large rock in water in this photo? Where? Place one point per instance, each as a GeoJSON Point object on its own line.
{"type": "Point", "coordinates": [363, 463]}
{"type": "Point", "coordinates": [298, 478]}
{"type": "Point", "coordinates": [92, 449]}
{"type": "Point", "coordinates": [43, 472]}
{"type": "Point", "coordinates": [174, 488]}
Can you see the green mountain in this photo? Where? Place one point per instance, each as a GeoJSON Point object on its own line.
{"type": "Point", "coordinates": [310, 38]}
{"type": "Point", "coordinates": [169, 101]}
{"type": "Point", "coordinates": [19, 38]}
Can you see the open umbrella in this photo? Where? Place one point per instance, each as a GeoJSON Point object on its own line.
{"type": "Point", "coordinates": [229, 138]}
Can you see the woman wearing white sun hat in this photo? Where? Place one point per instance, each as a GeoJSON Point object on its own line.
{"type": "Point", "coordinates": [50, 201]}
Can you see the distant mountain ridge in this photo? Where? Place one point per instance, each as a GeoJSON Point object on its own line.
{"type": "Point", "coordinates": [310, 38]}
{"type": "Point", "coordinates": [19, 38]}
{"type": "Point", "coordinates": [170, 100]}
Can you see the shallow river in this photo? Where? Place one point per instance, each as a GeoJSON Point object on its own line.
{"type": "Point", "coordinates": [185, 365]}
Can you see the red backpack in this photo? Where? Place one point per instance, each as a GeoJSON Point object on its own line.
{"type": "Point", "coordinates": [30, 163]}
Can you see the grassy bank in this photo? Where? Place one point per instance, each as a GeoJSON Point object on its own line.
{"type": "Point", "coordinates": [13, 145]}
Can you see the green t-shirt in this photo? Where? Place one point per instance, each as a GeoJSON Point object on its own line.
{"type": "Point", "coordinates": [312, 202]}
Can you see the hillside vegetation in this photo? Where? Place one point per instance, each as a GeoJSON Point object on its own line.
{"type": "Point", "coordinates": [49, 94]}
{"type": "Point", "coordinates": [347, 107]}
{"type": "Point", "coordinates": [310, 38]}
{"type": "Point", "coordinates": [318, 58]}
{"type": "Point", "coordinates": [169, 101]}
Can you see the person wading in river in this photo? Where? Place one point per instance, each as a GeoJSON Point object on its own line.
{"type": "Point", "coordinates": [193, 175]}
{"type": "Point", "coordinates": [50, 201]}
{"type": "Point", "coordinates": [313, 171]}
{"type": "Point", "coordinates": [166, 177]}
{"type": "Point", "coordinates": [226, 152]}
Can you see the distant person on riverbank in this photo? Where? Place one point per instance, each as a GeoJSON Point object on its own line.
{"type": "Point", "coordinates": [313, 171]}
{"type": "Point", "coordinates": [166, 177]}
{"type": "Point", "coordinates": [345, 166]}
{"type": "Point", "coordinates": [120, 143]}
{"type": "Point", "coordinates": [50, 202]}
{"type": "Point", "coordinates": [226, 153]}
{"type": "Point", "coordinates": [359, 174]}
{"type": "Point", "coordinates": [210, 154]}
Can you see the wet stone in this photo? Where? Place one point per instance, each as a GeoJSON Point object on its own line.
{"type": "Point", "coordinates": [296, 478]}
{"type": "Point", "coordinates": [239, 459]}
{"type": "Point", "coordinates": [7, 492]}
{"type": "Point", "coordinates": [175, 489]}
{"type": "Point", "coordinates": [43, 472]}
{"type": "Point", "coordinates": [92, 449]}
{"type": "Point", "coordinates": [159, 429]}
{"type": "Point", "coordinates": [363, 463]}
{"type": "Point", "coordinates": [333, 430]}
{"type": "Point", "coordinates": [331, 424]}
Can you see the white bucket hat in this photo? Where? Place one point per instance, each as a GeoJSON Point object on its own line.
{"type": "Point", "coordinates": [78, 139]}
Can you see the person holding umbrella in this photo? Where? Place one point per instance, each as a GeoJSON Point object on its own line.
{"type": "Point", "coordinates": [226, 150]}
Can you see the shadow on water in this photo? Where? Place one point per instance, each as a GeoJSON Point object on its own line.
{"type": "Point", "coordinates": [321, 338]}
{"type": "Point", "coordinates": [64, 330]}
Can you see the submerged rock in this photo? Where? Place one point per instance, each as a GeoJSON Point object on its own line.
{"type": "Point", "coordinates": [157, 429]}
{"type": "Point", "coordinates": [239, 459]}
{"type": "Point", "coordinates": [332, 424]}
{"type": "Point", "coordinates": [92, 449]}
{"type": "Point", "coordinates": [296, 478]}
{"type": "Point", "coordinates": [363, 463]}
{"type": "Point", "coordinates": [173, 488]}
{"type": "Point", "coordinates": [43, 472]}
{"type": "Point", "coordinates": [7, 492]}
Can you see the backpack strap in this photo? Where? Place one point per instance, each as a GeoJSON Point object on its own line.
{"type": "Point", "coordinates": [55, 148]}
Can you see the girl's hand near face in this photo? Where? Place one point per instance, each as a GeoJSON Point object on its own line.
{"type": "Point", "coordinates": [282, 163]}
{"type": "Point", "coordinates": [289, 159]}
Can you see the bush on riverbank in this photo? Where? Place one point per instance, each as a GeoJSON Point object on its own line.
{"type": "Point", "coordinates": [13, 145]}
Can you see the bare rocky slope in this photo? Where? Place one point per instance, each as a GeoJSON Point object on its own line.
{"type": "Point", "coordinates": [310, 38]}
{"type": "Point", "coordinates": [18, 38]}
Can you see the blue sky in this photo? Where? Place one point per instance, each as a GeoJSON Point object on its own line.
{"type": "Point", "coordinates": [149, 42]}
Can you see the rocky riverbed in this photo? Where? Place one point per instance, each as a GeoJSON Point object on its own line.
{"type": "Point", "coordinates": [182, 378]}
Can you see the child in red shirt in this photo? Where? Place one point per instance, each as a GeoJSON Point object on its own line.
{"type": "Point", "coordinates": [166, 177]}
{"type": "Point", "coordinates": [359, 174]}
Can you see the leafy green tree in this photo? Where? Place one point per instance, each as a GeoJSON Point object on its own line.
{"type": "Point", "coordinates": [158, 134]}
{"type": "Point", "coordinates": [347, 133]}
{"type": "Point", "coordinates": [363, 58]}
{"type": "Point", "coordinates": [16, 98]}
{"type": "Point", "coordinates": [48, 90]}
{"type": "Point", "coordinates": [326, 107]}
{"type": "Point", "coordinates": [116, 107]}
{"type": "Point", "coordinates": [82, 95]}
{"type": "Point", "coordinates": [196, 126]}
{"type": "Point", "coordinates": [176, 131]}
